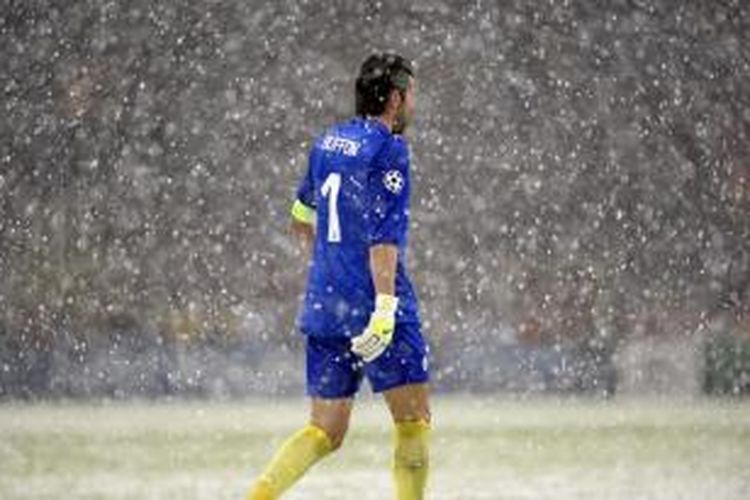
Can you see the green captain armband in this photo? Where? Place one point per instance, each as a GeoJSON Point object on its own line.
{"type": "Point", "coordinates": [302, 212]}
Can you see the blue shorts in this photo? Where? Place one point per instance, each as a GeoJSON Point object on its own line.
{"type": "Point", "coordinates": [333, 371]}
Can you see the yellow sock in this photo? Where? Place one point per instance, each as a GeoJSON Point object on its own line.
{"type": "Point", "coordinates": [296, 455]}
{"type": "Point", "coordinates": [411, 459]}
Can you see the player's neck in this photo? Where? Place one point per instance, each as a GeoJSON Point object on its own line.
{"type": "Point", "coordinates": [386, 120]}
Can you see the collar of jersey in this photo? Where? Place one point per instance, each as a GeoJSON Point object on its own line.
{"type": "Point", "coordinates": [379, 124]}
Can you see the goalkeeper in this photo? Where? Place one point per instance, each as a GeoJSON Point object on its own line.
{"type": "Point", "coordinates": [360, 315]}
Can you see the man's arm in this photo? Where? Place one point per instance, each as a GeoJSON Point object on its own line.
{"type": "Point", "coordinates": [303, 227]}
{"type": "Point", "coordinates": [379, 332]}
{"type": "Point", "coordinates": [383, 259]}
{"type": "Point", "coordinates": [305, 233]}
{"type": "Point", "coordinates": [387, 226]}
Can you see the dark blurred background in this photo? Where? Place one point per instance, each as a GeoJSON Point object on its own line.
{"type": "Point", "coordinates": [580, 212]}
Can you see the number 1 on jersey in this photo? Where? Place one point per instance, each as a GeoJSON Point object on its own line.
{"type": "Point", "coordinates": [330, 190]}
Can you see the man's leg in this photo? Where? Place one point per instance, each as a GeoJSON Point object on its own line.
{"type": "Point", "coordinates": [409, 406]}
{"type": "Point", "coordinates": [329, 420]}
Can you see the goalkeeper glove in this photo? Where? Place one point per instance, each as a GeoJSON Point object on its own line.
{"type": "Point", "coordinates": [379, 332]}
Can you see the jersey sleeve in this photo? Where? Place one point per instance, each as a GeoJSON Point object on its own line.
{"type": "Point", "coordinates": [389, 194]}
{"type": "Point", "coordinates": [306, 188]}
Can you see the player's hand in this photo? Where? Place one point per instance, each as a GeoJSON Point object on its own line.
{"type": "Point", "coordinates": [379, 332]}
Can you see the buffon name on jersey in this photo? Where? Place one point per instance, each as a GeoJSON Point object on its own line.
{"type": "Point", "coordinates": [336, 144]}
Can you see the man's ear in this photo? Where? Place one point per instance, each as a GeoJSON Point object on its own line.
{"type": "Point", "coordinates": [394, 99]}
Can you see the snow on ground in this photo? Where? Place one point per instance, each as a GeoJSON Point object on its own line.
{"type": "Point", "coordinates": [483, 448]}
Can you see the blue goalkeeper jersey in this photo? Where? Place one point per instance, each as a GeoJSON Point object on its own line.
{"type": "Point", "coordinates": [357, 181]}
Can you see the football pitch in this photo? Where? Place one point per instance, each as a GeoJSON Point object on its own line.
{"type": "Point", "coordinates": [483, 448]}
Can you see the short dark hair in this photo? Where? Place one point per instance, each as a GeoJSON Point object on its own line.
{"type": "Point", "coordinates": [379, 74]}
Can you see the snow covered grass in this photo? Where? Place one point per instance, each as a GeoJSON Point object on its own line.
{"type": "Point", "coordinates": [483, 448]}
